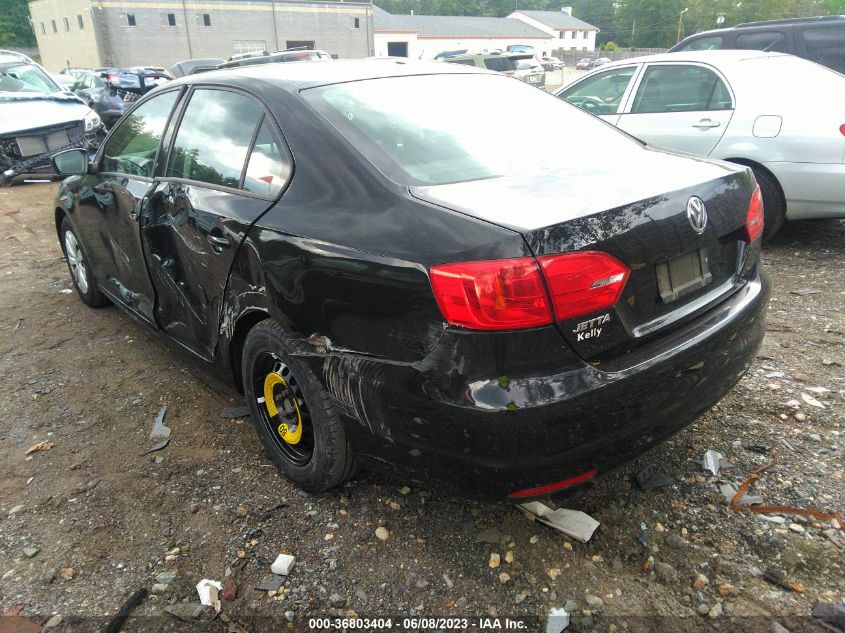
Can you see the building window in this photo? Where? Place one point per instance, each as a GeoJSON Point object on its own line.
{"type": "Point", "coordinates": [171, 19]}
{"type": "Point", "coordinates": [80, 22]}
{"type": "Point", "coordinates": [357, 23]}
{"type": "Point", "coordinates": [53, 24]}
{"type": "Point", "coordinates": [206, 19]}
{"type": "Point", "coordinates": [130, 19]}
{"type": "Point", "coordinates": [248, 46]}
{"type": "Point", "coordinates": [584, 34]}
{"type": "Point", "coordinates": [43, 30]}
{"type": "Point", "coordinates": [561, 34]}
{"type": "Point", "coordinates": [67, 25]}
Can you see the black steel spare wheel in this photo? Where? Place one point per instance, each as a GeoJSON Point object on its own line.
{"type": "Point", "coordinates": [292, 412]}
{"type": "Point", "coordinates": [282, 408]}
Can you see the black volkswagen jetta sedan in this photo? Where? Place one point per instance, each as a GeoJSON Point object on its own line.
{"type": "Point", "coordinates": [425, 289]}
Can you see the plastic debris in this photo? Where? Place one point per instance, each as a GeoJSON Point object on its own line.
{"type": "Point", "coordinates": [209, 593]}
{"type": "Point", "coordinates": [283, 564]}
{"type": "Point", "coordinates": [729, 492]}
{"type": "Point", "coordinates": [235, 412]}
{"type": "Point", "coordinates": [778, 577]}
{"type": "Point", "coordinates": [757, 448]}
{"type": "Point", "coordinates": [649, 479]}
{"type": "Point", "coordinates": [41, 446]}
{"type": "Point", "coordinates": [557, 621]}
{"type": "Point", "coordinates": [133, 601]}
{"type": "Point", "coordinates": [712, 460]}
{"type": "Point", "coordinates": [160, 431]}
{"type": "Point", "coordinates": [836, 537]}
{"type": "Point", "coordinates": [574, 523]}
{"type": "Point", "coordinates": [272, 583]}
{"type": "Point", "coordinates": [806, 397]}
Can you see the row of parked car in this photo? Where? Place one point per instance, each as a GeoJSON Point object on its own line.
{"type": "Point", "coordinates": [43, 113]}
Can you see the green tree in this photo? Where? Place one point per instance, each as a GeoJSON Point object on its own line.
{"type": "Point", "coordinates": [648, 23]}
{"type": "Point", "coordinates": [14, 24]}
{"type": "Point", "coordinates": [599, 13]}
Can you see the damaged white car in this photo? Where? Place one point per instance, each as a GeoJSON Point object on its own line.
{"type": "Point", "coordinates": [38, 119]}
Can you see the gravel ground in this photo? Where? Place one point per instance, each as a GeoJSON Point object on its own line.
{"type": "Point", "coordinates": [89, 521]}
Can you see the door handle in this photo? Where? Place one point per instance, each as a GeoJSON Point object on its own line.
{"type": "Point", "coordinates": [706, 124]}
{"type": "Point", "coordinates": [218, 242]}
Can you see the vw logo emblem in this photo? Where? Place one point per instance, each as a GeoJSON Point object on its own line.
{"type": "Point", "coordinates": [697, 214]}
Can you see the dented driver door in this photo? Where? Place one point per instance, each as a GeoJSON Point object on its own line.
{"type": "Point", "coordinates": [224, 170]}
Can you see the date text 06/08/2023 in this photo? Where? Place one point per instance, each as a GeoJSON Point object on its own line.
{"type": "Point", "coordinates": [417, 624]}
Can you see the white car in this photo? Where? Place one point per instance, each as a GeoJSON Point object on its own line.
{"type": "Point", "coordinates": [38, 119]}
{"type": "Point", "coordinates": [530, 71]}
{"type": "Point", "coordinates": [780, 115]}
{"type": "Point", "coordinates": [551, 63]}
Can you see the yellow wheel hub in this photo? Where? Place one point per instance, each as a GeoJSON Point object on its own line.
{"type": "Point", "coordinates": [290, 420]}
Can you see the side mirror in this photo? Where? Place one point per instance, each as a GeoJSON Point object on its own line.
{"type": "Point", "coordinates": [71, 162]}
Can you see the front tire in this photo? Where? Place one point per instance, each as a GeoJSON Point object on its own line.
{"type": "Point", "coordinates": [80, 270]}
{"type": "Point", "coordinates": [320, 457]}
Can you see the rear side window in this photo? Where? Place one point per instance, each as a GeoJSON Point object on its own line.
{"type": "Point", "coordinates": [681, 89]}
{"type": "Point", "coordinates": [500, 64]}
{"type": "Point", "coordinates": [602, 93]}
{"type": "Point", "coordinates": [704, 44]}
{"type": "Point", "coordinates": [214, 138]}
{"type": "Point", "coordinates": [772, 41]}
{"type": "Point", "coordinates": [465, 62]}
{"type": "Point", "coordinates": [268, 168]}
{"type": "Point", "coordinates": [826, 46]}
{"type": "Point", "coordinates": [132, 146]}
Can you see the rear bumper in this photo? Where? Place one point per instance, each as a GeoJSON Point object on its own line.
{"type": "Point", "coordinates": [491, 414]}
{"type": "Point", "coordinates": [813, 190]}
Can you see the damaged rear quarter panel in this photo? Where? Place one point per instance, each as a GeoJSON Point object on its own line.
{"type": "Point", "coordinates": [342, 259]}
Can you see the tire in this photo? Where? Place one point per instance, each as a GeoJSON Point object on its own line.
{"type": "Point", "coordinates": [80, 272]}
{"type": "Point", "coordinates": [774, 206]}
{"type": "Point", "coordinates": [321, 458]}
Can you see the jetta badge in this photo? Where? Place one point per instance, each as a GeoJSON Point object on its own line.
{"type": "Point", "coordinates": [697, 214]}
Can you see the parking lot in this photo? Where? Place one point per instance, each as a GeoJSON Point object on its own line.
{"type": "Point", "coordinates": [90, 518]}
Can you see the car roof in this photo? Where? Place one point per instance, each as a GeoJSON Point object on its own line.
{"type": "Point", "coordinates": [718, 58]}
{"type": "Point", "coordinates": [295, 76]}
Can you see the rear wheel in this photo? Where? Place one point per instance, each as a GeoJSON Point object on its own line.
{"type": "Point", "coordinates": [80, 271]}
{"type": "Point", "coordinates": [292, 412]}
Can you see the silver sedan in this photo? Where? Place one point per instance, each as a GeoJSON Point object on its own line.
{"type": "Point", "coordinates": [778, 114]}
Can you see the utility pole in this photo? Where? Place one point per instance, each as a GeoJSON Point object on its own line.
{"type": "Point", "coordinates": [680, 24]}
{"type": "Point", "coordinates": [633, 32]}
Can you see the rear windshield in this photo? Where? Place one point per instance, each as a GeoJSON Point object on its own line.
{"type": "Point", "coordinates": [500, 64]}
{"type": "Point", "coordinates": [411, 129]}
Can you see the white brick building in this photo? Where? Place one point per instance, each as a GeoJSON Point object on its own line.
{"type": "Point", "coordinates": [424, 36]}
{"type": "Point", "coordinates": [96, 33]}
{"type": "Point", "coordinates": [569, 33]}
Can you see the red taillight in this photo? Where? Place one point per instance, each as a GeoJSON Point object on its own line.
{"type": "Point", "coordinates": [503, 294]}
{"type": "Point", "coordinates": [842, 129]}
{"type": "Point", "coordinates": [511, 294]}
{"type": "Point", "coordinates": [584, 282]}
{"type": "Point", "coordinates": [754, 220]}
{"type": "Point", "coordinates": [544, 490]}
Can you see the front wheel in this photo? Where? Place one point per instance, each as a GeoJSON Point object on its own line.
{"type": "Point", "coordinates": [292, 412]}
{"type": "Point", "coordinates": [80, 271]}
